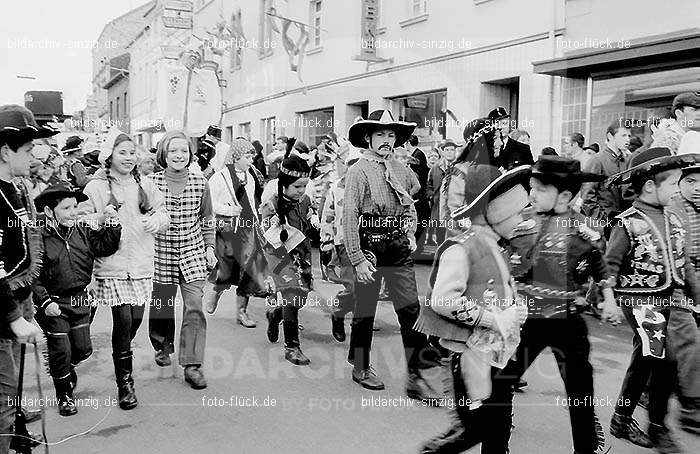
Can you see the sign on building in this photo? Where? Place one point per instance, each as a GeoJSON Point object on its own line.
{"type": "Point", "coordinates": [178, 14]}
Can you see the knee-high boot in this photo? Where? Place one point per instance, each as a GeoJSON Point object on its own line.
{"type": "Point", "coordinates": [123, 368]}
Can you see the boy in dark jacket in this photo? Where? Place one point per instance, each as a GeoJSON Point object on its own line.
{"type": "Point", "coordinates": [60, 295]}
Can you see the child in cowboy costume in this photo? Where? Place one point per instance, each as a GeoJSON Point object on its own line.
{"type": "Point", "coordinates": [472, 305]}
{"type": "Point", "coordinates": [553, 255]}
{"type": "Point", "coordinates": [20, 253]}
{"type": "Point", "coordinates": [648, 268]}
{"type": "Point", "coordinates": [687, 204]}
{"type": "Point", "coordinates": [291, 218]}
{"type": "Point", "coordinates": [379, 228]}
{"type": "Point", "coordinates": [236, 191]}
{"type": "Point", "coordinates": [183, 253]}
{"type": "Point", "coordinates": [60, 295]}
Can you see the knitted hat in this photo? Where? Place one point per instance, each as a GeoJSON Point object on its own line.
{"type": "Point", "coordinates": [239, 147]}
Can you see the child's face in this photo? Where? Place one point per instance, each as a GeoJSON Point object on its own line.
{"type": "Point", "coordinates": [690, 187]}
{"type": "Point", "coordinates": [295, 190]}
{"type": "Point", "coordinates": [449, 153]}
{"type": "Point", "coordinates": [66, 212]}
{"type": "Point", "coordinates": [178, 155]}
{"type": "Point", "coordinates": [124, 157]}
{"type": "Point", "coordinates": [543, 197]}
{"type": "Point", "coordinates": [668, 188]}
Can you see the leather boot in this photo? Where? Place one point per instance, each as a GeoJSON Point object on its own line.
{"type": "Point", "coordinates": [211, 298]}
{"type": "Point", "coordinates": [64, 395]}
{"type": "Point", "coordinates": [242, 312]}
{"type": "Point", "coordinates": [123, 367]}
{"type": "Point", "coordinates": [73, 378]}
{"type": "Point", "coordinates": [274, 318]}
{"type": "Point", "coordinates": [338, 327]}
{"type": "Point", "coordinates": [292, 352]}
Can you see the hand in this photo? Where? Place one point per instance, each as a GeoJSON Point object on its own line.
{"type": "Point", "coordinates": [325, 247]}
{"type": "Point", "coordinates": [52, 310]}
{"type": "Point", "coordinates": [150, 224]}
{"type": "Point", "coordinates": [24, 331]}
{"type": "Point", "coordinates": [315, 223]}
{"type": "Point", "coordinates": [364, 272]}
{"type": "Point", "coordinates": [611, 313]}
{"type": "Point", "coordinates": [211, 257]}
{"type": "Point", "coordinates": [412, 243]}
{"type": "Point", "coordinates": [111, 217]}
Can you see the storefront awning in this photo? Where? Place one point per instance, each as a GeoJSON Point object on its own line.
{"type": "Point", "coordinates": [669, 51]}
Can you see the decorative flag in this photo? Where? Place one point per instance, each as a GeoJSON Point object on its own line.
{"type": "Point", "coordinates": [651, 330]}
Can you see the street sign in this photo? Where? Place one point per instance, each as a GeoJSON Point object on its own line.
{"type": "Point", "coordinates": [184, 23]}
{"type": "Point", "coordinates": [178, 14]}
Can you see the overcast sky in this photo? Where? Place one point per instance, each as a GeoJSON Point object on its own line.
{"type": "Point", "coordinates": [63, 23]}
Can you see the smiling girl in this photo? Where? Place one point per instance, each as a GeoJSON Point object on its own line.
{"type": "Point", "coordinates": [124, 281]}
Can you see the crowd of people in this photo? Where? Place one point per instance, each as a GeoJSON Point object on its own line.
{"type": "Point", "coordinates": [523, 248]}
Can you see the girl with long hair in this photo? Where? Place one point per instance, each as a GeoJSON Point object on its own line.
{"type": "Point", "coordinates": [124, 280]}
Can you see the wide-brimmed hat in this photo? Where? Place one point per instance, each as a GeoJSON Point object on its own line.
{"type": "Point", "coordinates": [73, 144]}
{"type": "Point", "coordinates": [18, 120]}
{"type": "Point", "coordinates": [563, 169]}
{"type": "Point", "coordinates": [487, 183]}
{"type": "Point", "coordinates": [57, 191]}
{"type": "Point", "coordinates": [650, 162]}
{"type": "Point", "coordinates": [379, 119]}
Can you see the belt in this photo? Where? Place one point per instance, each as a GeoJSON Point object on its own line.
{"type": "Point", "coordinates": [546, 292]}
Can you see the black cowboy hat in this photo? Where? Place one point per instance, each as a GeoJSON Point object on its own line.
{"type": "Point", "coordinates": [18, 120]}
{"type": "Point", "coordinates": [73, 143]}
{"type": "Point", "coordinates": [499, 113]}
{"type": "Point", "coordinates": [379, 119]}
{"type": "Point", "coordinates": [486, 182]}
{"type": "Point", "coordinates": [650, 162]}
{"type": "Point", "coordinates": [561, 168]}
{"type": "Point", "coordinates": [57, 191]}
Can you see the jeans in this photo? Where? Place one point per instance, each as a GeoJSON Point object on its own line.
{"type": "Point", "coordinates": [161, 322]}
{"type": "Point", "coordinates": [9, 370]}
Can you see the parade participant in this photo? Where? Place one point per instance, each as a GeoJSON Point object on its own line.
{"type": "Point", "coordinates": [236, 190]}
{"type": "Point", "coordinates": [340, 268]}
{"type": "Point", "coordinates": [124, 280]}
{"type": "Point", "coordinates": [472, 304]}
{"type": "Point", "coordinates": [553, 255]}
{"type": "Point", "coordinates": [60, 295]}
{"type": "Point", "coordinates": [20, 254]}
{"type": "Point", "coordinates": [379, 229]}
{"type": "Point", "coordinates": [687, 350]}
{"type": "Point", "coordinates": [75, 170]}
{"type": "Point", "coordinates": [182, 254]}
{"type": "Point", "coordinates": [448, 150]}
{"type": "Point", "coordinates": [419, 166]}
{"type": "Point", "coordinates": [647, 266]}
{"type": "Point", "coordinates": [479, 136]}
{"type": "Point", "coordinates": [290, 216]}
{"type": "Point", "coordinates": [685, 117]}
{"type": "Point", "coordinates": [510, 153]}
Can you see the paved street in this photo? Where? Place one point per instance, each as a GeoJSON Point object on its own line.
{"type": "Point", "coordinates": [257, 402]}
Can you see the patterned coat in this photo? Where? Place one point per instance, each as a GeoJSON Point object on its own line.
{"type": "Point", "coordinates": [181, 248]}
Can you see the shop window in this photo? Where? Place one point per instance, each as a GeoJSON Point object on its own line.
{"type": "Point", "coordinates": [427, 110]}
{"type": "Point", "coordinates": [638, 99]}
{"type": "Point", "coordinates": [313, 125]}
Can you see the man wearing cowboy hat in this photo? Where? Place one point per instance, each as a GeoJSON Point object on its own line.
{"type": "Point", "coordinates": [379, 228]}
{"type": "Point", "coordinates": [554, 254]}
{"type": "Point", "coordinates": [472, 305]}
{"type": "Point", "coordinates": [650, 273]}
{"type": "Point", "coordinates": [20, 252]}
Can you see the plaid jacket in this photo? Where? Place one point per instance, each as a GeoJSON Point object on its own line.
{"type": "Point", "coordinates": [180, 249]}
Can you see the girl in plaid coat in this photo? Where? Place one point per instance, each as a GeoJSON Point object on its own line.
{"type": "Point", "coordinates": [183, 253]}
{"type": "Point", "coordinates": [124, 280]}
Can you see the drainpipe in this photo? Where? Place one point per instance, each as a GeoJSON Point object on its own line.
{"type": "Point", "coordinates": [553, 41]}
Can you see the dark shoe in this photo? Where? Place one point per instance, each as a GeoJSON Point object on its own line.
{"type": "Point", "coordinates": [626, 427]}
{"type": "Point", "coordinates": [520, 385]}
{"type": "Point", "coordinates": [419, 389]}
{"type": "Point", "coordinates": [663, 440]}
{"type": "Point", "coordinates": [368, 379]}
{"type": "Point", "coordinates": [338, 327]}
{"type": "Point", "coordinates": [163, 359]}
{"type": "Point", "coordinates": [64, 395]}
{"type": "Point", "coordinates": [295, 356]}
{"type": "Point", "coordinates": [73, 378]}
{"type": "Point", "coordinates": [31, 416]}
{"type": "Point", "coordinates": [123, 368]}
{"type": "Point", "coordinates": [195, 377]}
{"type": "Point", "coordinates": [273, 324]}
{"type": "Point", "coordinates": [22, 444]}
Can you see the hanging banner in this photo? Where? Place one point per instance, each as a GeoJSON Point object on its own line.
{"type": "Point", "coordinates": [368, 32]}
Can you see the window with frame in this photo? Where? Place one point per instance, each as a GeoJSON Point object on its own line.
{"type": "Point", "coordinates": [267, 126]}
{"type": "Point", "coordinates": [264, 29]}
{"type": "Point", "coordinates": [244, 130]}
{"type": "Point", "coordinates": [315, 9]}
{"type": "Point", "coordinates": [418, 7]}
